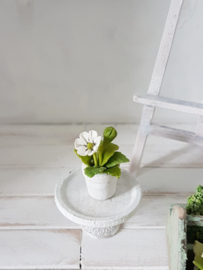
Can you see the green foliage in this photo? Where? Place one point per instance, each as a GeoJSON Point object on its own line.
{"type": "Point", "coordinates": [194, 233]}
{"type": "Point", "coordinates": [91, 171]}
{"type": "Point", "coordinates": [116, 159]}
{"type": "Point", "coordinates": [195, 202]}
{"type": "Point", "coordinates": [106, 151]}
{"type": "Point", "coordinates": [114, 171]}
{"type": "Point", "coordinates": [87, 160]}
{"type": "Point", "coordinates": [198, 250]}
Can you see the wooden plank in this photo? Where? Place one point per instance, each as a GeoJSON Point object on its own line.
{"type": "Point", "coordinates": [39, 134]}
{"type": "Point", "coordinates": [170, 180]}
{"type": "Point", "coordinates": [162, 153]}
{"type": "Point", "coordinates": [128, 249]}
{"type": "Point", "coordinates": [42, 182]}
{"type": "Point", "coordinates": [169, 103]}
{"type": "Point", "coordinates": [152, 210]}
{"type": "Point", "coordinates": [31, 181]}
{"type": "Point", "coordinates": [15, 212]}
{"type": "Point", "coordinates": [175, 134]}
{"type": "Point", "coordinates": [45, 156]}
{"type": "Point", "coordinates": [177, 239]}
{"type": "Point", "coordinates": [156, 81]}
{"type": "Point", "coordinates": [32, 212]}
{"type": "Point", "coordinates": [40, 249]}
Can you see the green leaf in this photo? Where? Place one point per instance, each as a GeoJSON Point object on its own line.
{"type": "Point", "coordinates": [114, 171]}
{"type": "Point", "coordinates": [105, 152]}
{"type": "Point", "coordinates": [87, 160]}
{"type": "Point", "coordinates": [198, 250]}
{"type": "Point", "coordinates": [91, 171]}
{"type": "Point", "coordinates": [109, 134]}
{"type": "Point", "coordinates": [116, 159]}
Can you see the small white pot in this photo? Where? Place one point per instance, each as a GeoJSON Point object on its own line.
{"type": "Point", "coordinates": [101, 186]}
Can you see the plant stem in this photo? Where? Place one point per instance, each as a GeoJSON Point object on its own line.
{"type": "Point", "coordinates": [95, 159]}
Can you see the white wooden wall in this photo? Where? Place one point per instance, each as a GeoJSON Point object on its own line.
{"type": "Point", "coordinates": [82, 61]}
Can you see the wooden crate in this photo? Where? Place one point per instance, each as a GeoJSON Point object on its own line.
{"type": "Point", "coordinates": [180, 237]}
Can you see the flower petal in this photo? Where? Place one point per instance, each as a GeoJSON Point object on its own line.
{"type": "Point", "coordinates": [92, 135]}
{"type": "Point", "coordinates": [97, 140]}
{"type": "Point", "coordinates": [82, 151]}
{"type": "Point", "coordinates": [91, 152]}
{"type": "Point", "coordinates": [85, 136]}
{"type": "Point", "coordinates": [95, 148]}
{"type": "Point", "coordinates": [80, 142]}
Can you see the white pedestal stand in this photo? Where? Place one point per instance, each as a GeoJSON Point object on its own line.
{"type": "Point", "coordinates": [100, 219]}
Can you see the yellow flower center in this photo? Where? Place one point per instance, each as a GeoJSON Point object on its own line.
{"type": "Point", "coordinates": [90, 146]}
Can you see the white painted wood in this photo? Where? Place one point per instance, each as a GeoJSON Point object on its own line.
{"type": "Point", "coordinates": [129, 249]}
{"type": "Point", "coordinates": [175, 134]}
{"type": "Point", "coordinates": [169, 103]}
{"type": "Point", "coordinates": [62, 157]}
{"type": "Point", "coordinates": [17, 135]}
{"type": "Point", "coordinates": [156, 81]}
{"type": "Point", "coordinates": [32, 212]}
{"type": "Point", "coordinates": [141, 137]}
{"type": "Point", "coordinates": [42, 182]}
{"type": "Point", "coordinates": [199, 128]}
{"type": "Point", "coordinates": [66, 81]}
{"type": "Point", "coordinates": [170, 180]}
{"type": "Point", "coordinates": [74, 202]}
{"type": "Point", "coordinates": [40, 249]}
{"type": "Point", "coordinates": [24, 212]}
{"type": "Point", "coordinates": [31, 174]}
{"type": "Point", "coordinates": [152, 210]}
{"type": "Point", "coordinates": [165, 47]}
{"type": "Point", "coordinates": [31, 181]}
{"type": "Point", "coordinates": [44, 156]}
{"type": "Point", "coordinates": [177, 237]}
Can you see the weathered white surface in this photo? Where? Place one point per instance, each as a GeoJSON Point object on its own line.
{"type": "Point", "coordinates": [61, 68]}
{"type": "Point", "coordinates": [169, 103]}
{"type": "Point", "coordinates": [32, 212]}
{"type": "Point", "coordinates": [177, 237]}
{"type": "Point", "coordinates": [31, 181]}
{"type": "Point", "coordinates": [175, 134]}
{"type": "Point", "coordinates": [40, 249]}
{"type": "Point", "coordinates": [67, 62]}
{"type": "Point", "coordinates": [27, 186]}
{"type": "Point", "coordinates": [35, 165]}
{"type": "Point", "coordinates": [24, 212]}
{"type": "Point", "coordinates": [129, 249]}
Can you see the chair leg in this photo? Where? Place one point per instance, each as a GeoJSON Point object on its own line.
{"type": "Point", "coordinates": [137, 151]}
{"type": "Point", "coordinates": [141, 137]}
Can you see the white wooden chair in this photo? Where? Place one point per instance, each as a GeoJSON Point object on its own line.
{"type": "Point", "coordinates": [152, 99]}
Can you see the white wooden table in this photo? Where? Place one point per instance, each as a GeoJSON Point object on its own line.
{"type": "Point", "coordinates": [35, 235]}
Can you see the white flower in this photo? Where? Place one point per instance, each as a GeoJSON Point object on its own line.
{"type": "Point", "coordinates": [202, 255]}
{"type": "Point", "coordinates": [87, 143]}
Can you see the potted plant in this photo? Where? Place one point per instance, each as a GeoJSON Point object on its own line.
{"type": "Point", "coordinates": [100, 162]}
{"type": "Point", "coordinates": [185, 233]}
{"type": "Point", "coordinates": [195, 233]}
